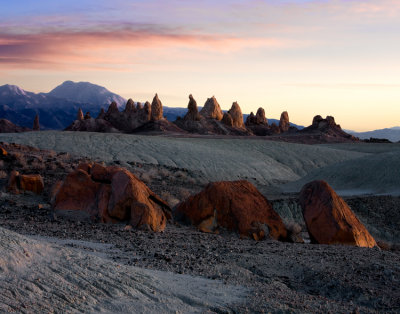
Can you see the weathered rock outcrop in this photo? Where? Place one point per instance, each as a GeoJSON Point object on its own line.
{"type": "Point", "coordinates": [211, 109]}
{"type": "Point", "coordinates": [211, 120]}
{"type": "Point", "coordinates": [258, 119]}
{"type": "Point", "coordinates": [36, 124]}
{"type": "Point", "coordinates": [7, 126]}
{"type": "Point", "coordinates": [110, 194]}
{"type": "Point", "coordinates": [193, 113]}
{"type": "Point", "coordinates": [328, 130]}
{"type": "Point", "coordinates": [130, 107]}
{"type": "Point", "coordinates": [92, 125]}
{"type": "Point", "coordinates": [235, 118]}
{"type": "Point", "coordinates": [258, 124]}
{"type": "Point", "coordinates": [102, 114]}
{"type": "Point", "coordinates": [79, 115]}
{"type": "Point", "coordinates": [329, 219]}
{"type": "Point", "coordinates": [234, 205]}
{"type": "Point", "coordinates": [112, 109]}
{"type": "Point", "coordinates": [156, 109]}
{"type": "Point", "coordinates": [19, 183]}
{"type": "Point", "coordinates": [284, 124]}
{"type": "Point", "coordinates": [130, 120]}
{"type": "Point", "coordinates": [227, 120]}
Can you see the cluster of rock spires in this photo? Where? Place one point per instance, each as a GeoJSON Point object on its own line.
{"type": "Point", "coordinates": [210, 120]}
{"type": "Point", "coordinates": [131, 119]}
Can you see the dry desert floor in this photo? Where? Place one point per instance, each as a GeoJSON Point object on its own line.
{"type": "Point", "coordinates": [58, 264]}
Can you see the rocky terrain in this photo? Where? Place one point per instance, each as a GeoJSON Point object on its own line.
{"type": "Point", "coordinates": [249, 276]}
{"type": "Point", "coordinates": [267, 275]}
{"type": "Point", "coordinates": [7, 126]}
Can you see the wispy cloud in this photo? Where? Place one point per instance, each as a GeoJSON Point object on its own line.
{"type": "Point", "coordinates": [109, 44]}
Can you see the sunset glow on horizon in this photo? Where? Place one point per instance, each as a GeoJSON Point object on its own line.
{"type": "Point", "coordinates": [338, 58]}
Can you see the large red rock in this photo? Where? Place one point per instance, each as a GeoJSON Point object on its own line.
{"type": "Point", "coordinates": [18, 183]}
{"type": "Point", "coordinates": [329, 219]}
{"type": "Point", "coordinates": [78, 192]}
{"type": "Point", "coordinates": [111, 194]}
{"type": "Point", "coordinates": [234, 205]}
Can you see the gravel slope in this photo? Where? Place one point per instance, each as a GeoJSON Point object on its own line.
{"type": "Point", "coordinates": [38, 276]}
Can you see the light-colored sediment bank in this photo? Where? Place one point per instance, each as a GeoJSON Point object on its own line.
{"type": "Point", "coordinates": [265, 162]}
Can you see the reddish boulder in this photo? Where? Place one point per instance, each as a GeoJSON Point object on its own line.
{"type": "Point", "coordinates": [111, 194]}
{"type": "Point", "coordinates": [13, 183]}
{"type": "Point", "coordinates": [235, 205]}
{"type": "Point", "coordinates": [132, 199]}
{"type": "Point", "coordinates": [329, 219]}
{"type": "Point", "coordinates": [3, 152]}
{"type": "Point", "coordinates": [25, 182]}
{"type": "Point", "coordinates": [85, 166]}
{"type": "Point", "coordinates": [102, 173]}
{"type": "Point", "coordinates": [78, 193]}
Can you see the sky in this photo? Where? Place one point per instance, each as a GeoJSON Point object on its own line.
{"type": "Point", "coordinates": [307, 57]}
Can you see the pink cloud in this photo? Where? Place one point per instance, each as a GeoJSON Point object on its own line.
{"type": "Point", "coordinates": [110, 46]}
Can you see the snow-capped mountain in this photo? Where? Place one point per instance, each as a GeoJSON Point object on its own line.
{"type": "Point", "coordinates": [85, 92]}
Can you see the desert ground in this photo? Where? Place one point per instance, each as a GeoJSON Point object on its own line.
{"type": "Point", "coordinates": [66, 265]}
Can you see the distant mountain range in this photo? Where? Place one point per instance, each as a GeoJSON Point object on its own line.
{"type": "Point", "coordinates": [392, 134]}
{"type": "Point", "coordinates": [58, 108]}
